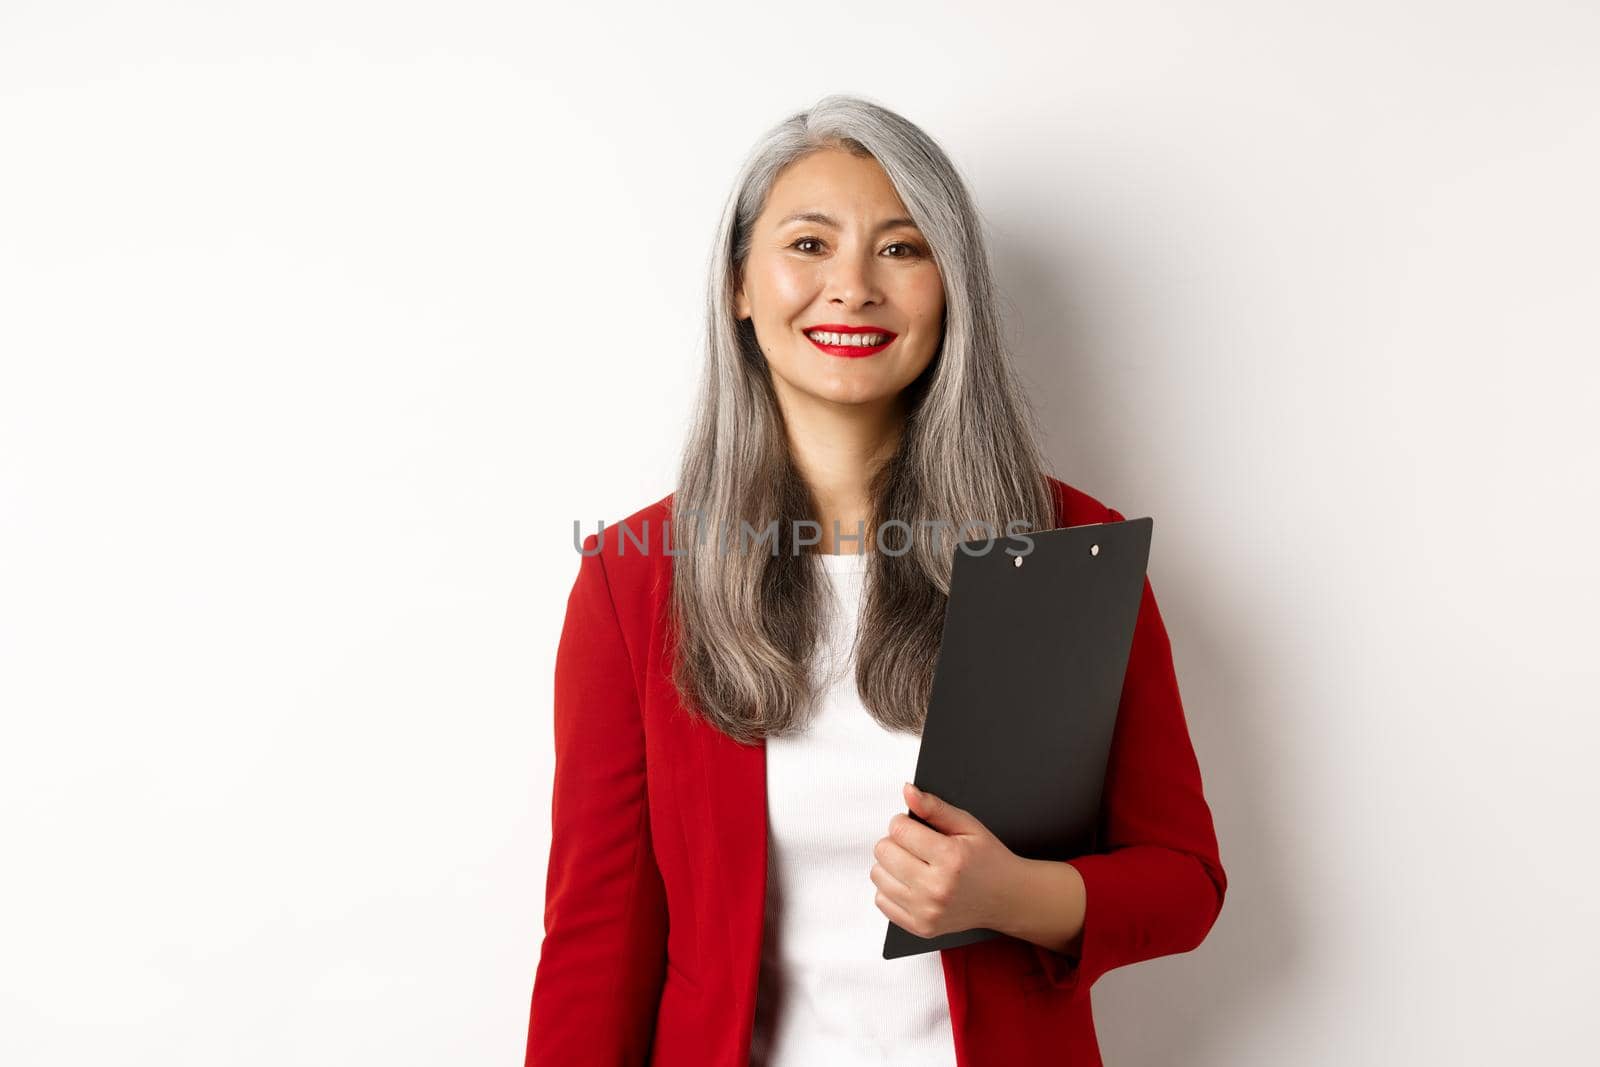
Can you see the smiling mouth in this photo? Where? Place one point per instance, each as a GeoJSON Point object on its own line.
{"type": "Point", "coordinates": [850, 341]}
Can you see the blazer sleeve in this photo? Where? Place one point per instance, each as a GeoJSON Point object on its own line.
{"type": "Point", "coordinates": [603, 960]}
{"type": "Point", "coordinates": [1158, 886]}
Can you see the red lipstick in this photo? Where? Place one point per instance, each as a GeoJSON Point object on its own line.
{"type": "Point", "coordinates": [849, 351]}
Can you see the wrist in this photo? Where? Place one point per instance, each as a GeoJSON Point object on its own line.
{"type": "Point", "coordinates": [1044, 904]}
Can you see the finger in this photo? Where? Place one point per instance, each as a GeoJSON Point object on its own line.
{"type": "Point", "coordinates": [923, 842]}
{"type": "Point", "coordinates": [896, 914]}
{"type": "Point", "coordinates": [892, 889]}
{"type": "Point", "coordinates": [905, 868]}
{"type": "Point", "coordinates": [943, 815]}
{"type": "Point", "coordinates": [890, 886]}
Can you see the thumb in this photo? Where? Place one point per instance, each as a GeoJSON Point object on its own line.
{"type": "Point", "coordinates": [940, 813]}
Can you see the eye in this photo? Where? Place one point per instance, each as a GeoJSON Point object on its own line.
{"type": "Point", "coordinates": [807, 241]}
{"type": "Point", "coordinates": [910, 250]}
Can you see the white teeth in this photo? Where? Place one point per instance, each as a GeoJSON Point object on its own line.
{"type": "Point", "coordinates": [858, 340]}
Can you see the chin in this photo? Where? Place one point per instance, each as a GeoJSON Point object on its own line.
{"type": "Point", "coordinates": [853, 396]}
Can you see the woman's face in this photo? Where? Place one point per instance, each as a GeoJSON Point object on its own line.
{"type": "Point", "coordinates": [835, 247]}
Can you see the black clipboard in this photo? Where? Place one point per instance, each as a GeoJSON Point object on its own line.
{"type": "Point", "coordinates": [1026, 690]}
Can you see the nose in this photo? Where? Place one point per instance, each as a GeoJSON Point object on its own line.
{"type": "Point", "coordinates": [852, 281]}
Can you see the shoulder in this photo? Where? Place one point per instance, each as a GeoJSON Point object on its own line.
{"type": "Point", "coordinates": [629, 555]}
{"type": "Point", "coordinates": [1074, 507]}
{"type": "Point", "coordinates": [626, 538]}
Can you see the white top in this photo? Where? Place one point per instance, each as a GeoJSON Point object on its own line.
{"type": "Point", "coordinates": [826, 994]}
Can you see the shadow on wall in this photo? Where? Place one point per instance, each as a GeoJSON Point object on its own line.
{"type": "Point", "coordinates": [1063, 329]}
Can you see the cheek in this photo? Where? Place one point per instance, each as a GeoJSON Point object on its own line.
{"type": "Point", "coordinates": [925, 300]}
{"type": "Point", "coordinates": [784, 287]}
{"type": "Point", "coordinates": [794, 285]}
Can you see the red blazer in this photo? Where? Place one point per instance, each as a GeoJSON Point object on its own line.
{"type": "Point", "coordinates": [654, 897]}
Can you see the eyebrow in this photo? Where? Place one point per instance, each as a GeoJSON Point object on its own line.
{"type": "Point", "coordinates": [827, 220]}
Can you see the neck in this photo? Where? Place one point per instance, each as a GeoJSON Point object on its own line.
{"type": "Point", "coordinates": [838, 448]}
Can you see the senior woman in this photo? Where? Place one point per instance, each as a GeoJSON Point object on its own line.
{"type": "Point", "coordinates": [736, 715]}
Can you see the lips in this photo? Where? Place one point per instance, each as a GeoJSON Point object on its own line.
{"type": "Point", "coordinates": [851, 342]}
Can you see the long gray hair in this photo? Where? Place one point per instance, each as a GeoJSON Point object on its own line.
{"type": "Point", "coordinates": [746, 623]}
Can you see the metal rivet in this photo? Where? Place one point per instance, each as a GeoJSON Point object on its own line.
{"type": "Point", "coordinates": [1016, 561]}
{"type": "Point", "coordinates": [1094, 550]}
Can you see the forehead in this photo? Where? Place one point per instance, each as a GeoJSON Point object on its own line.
{"type": "Point", "coordinates": [833, 182]}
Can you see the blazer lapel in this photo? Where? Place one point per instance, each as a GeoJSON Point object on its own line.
{"type": "Point", "coordinates": [736, 806]}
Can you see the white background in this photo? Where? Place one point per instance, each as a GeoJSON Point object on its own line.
{"type": "Point", "coordinates": [322, 322]}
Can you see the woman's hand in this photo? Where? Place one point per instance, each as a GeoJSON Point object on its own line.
{"type": "Point", "coordinates": [953, 875]}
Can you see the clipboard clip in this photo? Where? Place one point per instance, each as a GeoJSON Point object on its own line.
{"type": "Point", "coordinates": [1016, 561]}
